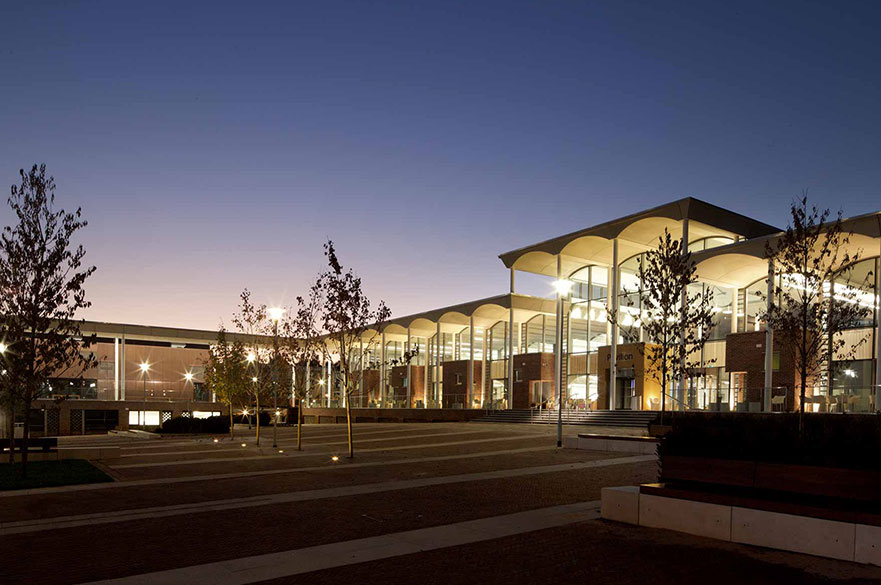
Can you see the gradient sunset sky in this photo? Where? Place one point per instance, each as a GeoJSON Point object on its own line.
{"type": "Point", "coordinates": [216, 145]}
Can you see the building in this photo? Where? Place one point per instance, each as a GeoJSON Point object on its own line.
{"type": "Point", "coordinates": [515, 351]}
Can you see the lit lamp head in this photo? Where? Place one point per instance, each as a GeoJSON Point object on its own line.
{"type": "Point", "coordinates": [144, 367]}
{"type": "Point", "coordinates": [188, 376]}
{"type": "Point", "coordinates": [275, 313]}
{"type": "Point", "coordinates": [251, 357]}
{"type": "Point", "coordinates": [254, 379]}
{"type": "Point", "coordinates": [3, 347]}
{"type": "Point", "coordinates": [563, 286]}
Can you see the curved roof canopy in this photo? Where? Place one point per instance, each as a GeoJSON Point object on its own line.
{"type": "Point", "coordinates": [742, 263]}
{"type": "Point", "coordinates": [635, 234]}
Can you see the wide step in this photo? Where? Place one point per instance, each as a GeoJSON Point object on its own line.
{"type": "Point", "coordinates": [607, 418]}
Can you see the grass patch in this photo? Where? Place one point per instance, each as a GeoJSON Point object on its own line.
{"type": "Point", "coordinates": [50, 474]}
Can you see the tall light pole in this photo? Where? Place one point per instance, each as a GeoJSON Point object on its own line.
{"type": "Point", "coordinates": [188, 378]}
{"type": "Point", "coordinates": [144, 367]}
{"type": "Point", "coordinates": [562, 286]}
{"type": "Point", "coordinates": [275, 314]}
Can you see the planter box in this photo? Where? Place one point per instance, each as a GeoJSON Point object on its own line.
{"type": "Point", "coordinates": [829, 482]}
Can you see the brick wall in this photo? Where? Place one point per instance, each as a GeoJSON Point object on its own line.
{"type": "Point", "coordinates": [530, 367]}
{"type": "Point", "coordinates": [745, 352]}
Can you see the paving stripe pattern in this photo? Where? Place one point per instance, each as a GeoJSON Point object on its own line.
{"type": "Point", "coordinates": [275, 456]}
{"type": "Point", "coordinates": [245, 474]}
{"type": "Point", "coordinates": [26, 526]}
{"type": "Point", "coordinates": [243, 571]}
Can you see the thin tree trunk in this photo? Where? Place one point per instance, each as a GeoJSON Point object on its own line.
{"type": "Point", "coordinates": [232, 437]}
{"type": "Point", "coordinates": [257, 396]}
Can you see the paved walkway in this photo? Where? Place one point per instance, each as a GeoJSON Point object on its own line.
{"type": "Point", "coordinates": [294, 562]}
{"type": "Point", "coordinates": [358, 450]}
{"type": "Point", "coordinates": [24, 526]}
{"type": "Point", "coordinates": [260, 473]}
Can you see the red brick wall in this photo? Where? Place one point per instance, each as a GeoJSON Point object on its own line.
{"type": "Point", "coordinates": [455, 392]}
{"type": "Point", "coordinates": [745, 352]}
{"type": "Point", "coordinates": [417, 382]}
{"type": "Point", "coordinates": [532, 367]}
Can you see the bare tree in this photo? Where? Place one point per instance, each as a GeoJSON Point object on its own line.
{"type": "Point", "coordinates": [347, 320]}
{"type": "Point", "coordinates": [42, 279]}
{"type": "Point", "coordinates": [252, 320]}
{"type": "Point", "coordinates": [808, 312]}
{"type": "Point", "coordinates": [302, 345]}
{"type": "Point", "coordinates": [675, 321]}
{"type": "Point", "coordinates": [226, 373]}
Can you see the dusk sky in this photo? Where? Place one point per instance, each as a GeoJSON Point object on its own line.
{"type": "Point", "coordinates": [215, 146]}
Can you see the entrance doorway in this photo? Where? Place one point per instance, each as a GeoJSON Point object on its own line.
{"type": "Point", "coordinates": [625, 391]}
{"type": "Point", "coordinates": [541, 392]}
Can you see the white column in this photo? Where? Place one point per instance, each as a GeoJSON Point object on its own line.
{"type": "Point", "coordinates": [437, 354]}
{"type": "Point", "coordinates": [409, 369]}
{"type": "Point", "coordinates": [484, 379]}
{"type": "Point", "coordinates": [309, 380]}
{"type": "Point", "coordinates": [293, 385]}
{"type": "Point", "coordinates": [426, 390]}
{"type": "Point", "coordinates": [683, 303]}
{"type": "Point", "coordinates": [613, 305]}
{"type": "Point", "coordinates": [382, 371]}
{"type": "Point", "coordinates": [878, 334]}
{"type": "Point", "coordinates": [116, 368]}
{"type": "Point", "coordinates": [361, 373]}
{"type": "Point", "coordinates": [510, 347]}
{"type": "Point", "coordinates": [469, 376]}
{"type": "Point", "coordinates": [122, 367]}
{"type": "Point", "coordinates": [769, 343]}
{"type": "Point", "coordinates": [328, 382]}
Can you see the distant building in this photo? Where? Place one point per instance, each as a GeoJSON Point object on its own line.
{"type": "Point", "coordinates": [515, 351]}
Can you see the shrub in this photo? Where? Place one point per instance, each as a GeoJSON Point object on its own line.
{"type": "Point", "coordinates": [210, 425]}
{"type": "Point", "coordinates": [830, 440]}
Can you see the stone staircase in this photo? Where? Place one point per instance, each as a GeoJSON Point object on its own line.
{"type": "Point", "coordinates": [600, 418]}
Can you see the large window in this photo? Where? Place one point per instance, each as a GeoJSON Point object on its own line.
{"type": "Point", "coordinates": [72, 388]}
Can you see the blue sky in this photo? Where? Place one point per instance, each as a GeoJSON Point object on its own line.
{"type": "Point", "coordinates": [215, 145]}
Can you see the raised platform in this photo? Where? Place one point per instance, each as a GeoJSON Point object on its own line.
{"type": "Point", "coordinates": [613, 443]}
{"type": "Point", "coordinates": [392, 415]}
{"type": "Point", "coordinates": [846, 538]}
{"type": "Point", "coordinates": [639, 419]}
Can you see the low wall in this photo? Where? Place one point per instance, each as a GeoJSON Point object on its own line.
{"type": "Point", "coordinates": [393, 415]}
{"type": "Point", "coordinates": [850, 541]}
{"type": "Point", "coordinates": [613, 443]}
{"type": "Point", "coordinates": [65, 423]}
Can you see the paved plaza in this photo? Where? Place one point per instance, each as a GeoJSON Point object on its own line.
{"type": "Point", "coordinates": [420, 503]}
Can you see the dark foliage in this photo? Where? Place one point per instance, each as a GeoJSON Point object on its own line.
{"type": "Point", "coordinates": [210, 425]}
{"type": "Point", "coordinates": [830, 440]}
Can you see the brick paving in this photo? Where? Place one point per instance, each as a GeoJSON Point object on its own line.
{"type": "Point", "coordinates": [68, 503]}
{"type": "Point", "coordinates": [595, 551]}
{"type": "Point", "coordinates": [127, 548]}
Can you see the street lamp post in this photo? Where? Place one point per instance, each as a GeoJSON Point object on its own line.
{"type": "Point", "coordinates": [275, 314]}
{"type": "Point", "coordinates": [562, 287]}
{"type": "Point", "coordinates": [188, 378]}
{"type": "Point", "coordinates": [145, 367]}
